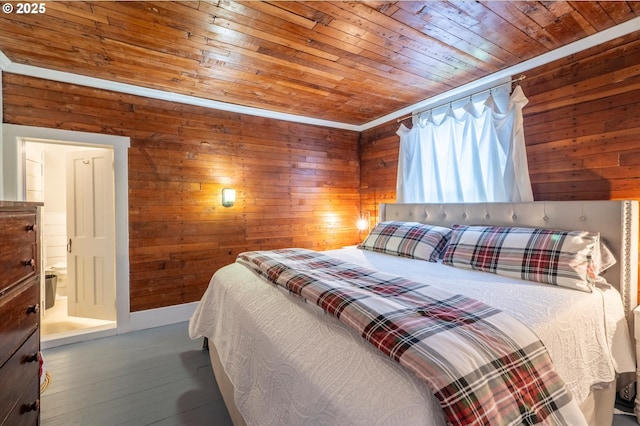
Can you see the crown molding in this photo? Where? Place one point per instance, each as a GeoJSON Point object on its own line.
{"type": "Point", "coordinates": [464, 90]}
{"type": "Point", "coordinates": [5, 62]}
{"type": "Point", "coordinates": [99, 83]}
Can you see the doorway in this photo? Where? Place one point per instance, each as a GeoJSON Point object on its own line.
{"type": "Point", "coordinates": [12, 185]}
{"type": "Point", "coordinates": [78, 293]}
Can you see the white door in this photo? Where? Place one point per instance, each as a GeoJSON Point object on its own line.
{"type": "Point", "coordinates": [91, 235]}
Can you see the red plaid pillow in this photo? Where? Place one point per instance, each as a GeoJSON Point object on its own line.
{"type": "Point", "coordinates": [563, 258]}
{"type": "Point", "coordinates": [408, 239]}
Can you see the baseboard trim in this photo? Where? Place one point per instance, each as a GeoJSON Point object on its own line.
{"type": "Point", "coordinates": [158, 317]}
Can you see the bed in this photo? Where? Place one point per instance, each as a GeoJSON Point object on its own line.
{"type": "Point", "coordinates": [280, 360]}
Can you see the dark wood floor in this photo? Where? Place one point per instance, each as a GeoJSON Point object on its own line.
{"type": "Point", "coordinates": [150, 377]}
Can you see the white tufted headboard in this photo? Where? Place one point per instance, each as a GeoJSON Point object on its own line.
{"type": "Point", "coordinates": [616, 221]}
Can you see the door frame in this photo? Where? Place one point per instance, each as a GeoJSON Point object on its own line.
{"type": "Point", "coordinates": [13, 182]}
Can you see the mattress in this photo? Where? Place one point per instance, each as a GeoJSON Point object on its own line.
{"type": "Point", "coordinates": [290, 363]}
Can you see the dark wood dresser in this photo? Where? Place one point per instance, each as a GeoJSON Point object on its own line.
{"type": "Point", "coordinates": [19, 313]}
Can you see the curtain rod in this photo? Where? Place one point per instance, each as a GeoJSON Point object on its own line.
{"type": "Point", "coordinates": [522, 77]}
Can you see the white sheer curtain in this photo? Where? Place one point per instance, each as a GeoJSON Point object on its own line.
{"type": "Point", "coordinates": [469, 155]}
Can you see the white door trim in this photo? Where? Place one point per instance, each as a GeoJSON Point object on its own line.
{"type": "Point", "coordinates": [13, 183]}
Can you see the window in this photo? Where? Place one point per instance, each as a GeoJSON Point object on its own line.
{"type": "Point", "coordinates": [472, 152]}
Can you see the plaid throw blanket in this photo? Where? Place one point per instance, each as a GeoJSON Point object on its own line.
{"type": "Point", "coordinates": [484, 366]}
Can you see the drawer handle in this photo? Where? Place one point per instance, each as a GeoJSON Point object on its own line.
{"type": "Point", "coordinates": [30, 358]}
{"type": "Point", "coordinates": [30, 262]}
{"type": "Point", "coordinates": [30, 228]}
{"type": "Point", "coordinates": [33, 309]}
{"type": "Point", "coordinates": [34, 406]}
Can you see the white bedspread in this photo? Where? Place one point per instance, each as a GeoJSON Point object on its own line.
{"type": "Point", "coordinates": [262, 339]}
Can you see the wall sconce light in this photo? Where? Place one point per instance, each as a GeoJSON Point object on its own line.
{"type": "Point", "coordinates": [363, 223]}
{"type": "Point", "coordinates": [228, 197]}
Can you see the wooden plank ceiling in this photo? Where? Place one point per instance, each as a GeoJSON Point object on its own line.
{"type": "Point", "coordinates": [350, 62]}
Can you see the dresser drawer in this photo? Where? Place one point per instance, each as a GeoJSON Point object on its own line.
{"type": "Point", "coordinates": [17, 248]}
{"type": "Point", "coordinates": [19, 392]}
{"type": "Point", "coordinates": [19, 315]}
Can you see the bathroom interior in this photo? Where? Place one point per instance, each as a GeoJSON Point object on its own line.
{"type": "Point", "coordinates": [46, 181]}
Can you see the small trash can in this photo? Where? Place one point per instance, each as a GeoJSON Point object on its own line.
{"type": "Point", "coordinates": [51, 281]}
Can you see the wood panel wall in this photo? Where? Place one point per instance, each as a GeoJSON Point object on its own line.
{"type": "Point", "coordinates": [582, 130]}
{"type": "Point", "coordinates": [297, 185]}
{"type": "Point", "coordinates": [301, 185]}
{"type": "Point", "coordinates": [378, 167]}
{"type": "Point", "coordinates": [582, 124]}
